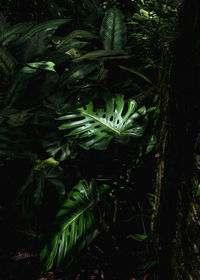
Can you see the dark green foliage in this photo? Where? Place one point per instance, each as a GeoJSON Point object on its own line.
{"type": "Point", "coordinates": [89, 63]}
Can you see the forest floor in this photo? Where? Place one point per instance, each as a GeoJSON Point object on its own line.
{"type": "Point", "coordinates": [104, 259]}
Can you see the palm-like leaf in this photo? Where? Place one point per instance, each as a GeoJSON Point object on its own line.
{"type": "Point", "coordinates": [74, 225]}
{"type": "Point", "coordinates": [98, 128]}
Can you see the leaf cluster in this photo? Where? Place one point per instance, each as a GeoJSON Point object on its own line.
{"type": "Point", "coordinates": [67, 94]}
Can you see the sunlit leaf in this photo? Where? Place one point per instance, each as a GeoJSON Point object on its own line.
{"type": "Point", "coordinates": [96, 128]}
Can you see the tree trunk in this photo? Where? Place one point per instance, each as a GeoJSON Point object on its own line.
{"type": "Point", "coordinates": [178, 153]}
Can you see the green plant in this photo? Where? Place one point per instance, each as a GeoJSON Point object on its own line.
{"type": "Point", "coordinates": [74, 225]}
{"type": "Point", "coordinates": [101, 126]}
{"type": "Point", "coordinates": [83, 76]}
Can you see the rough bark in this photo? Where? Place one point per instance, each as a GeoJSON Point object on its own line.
{"type": "Point", "coordinates": [178, 153]}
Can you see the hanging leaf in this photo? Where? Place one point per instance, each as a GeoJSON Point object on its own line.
{"type": "Point", "coordinates": [44, 26]}
{"type": "Point", "coordinates": [74, 226]}
{"type": "Point", "coordinates": [98, 128]}
{"type": "Point", "coordinates": [113, 30]}
{"type": "Point", "coordinates": [151, 144]}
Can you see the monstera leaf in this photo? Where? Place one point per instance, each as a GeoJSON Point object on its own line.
{"type": "Point", "coordinates": [74, 226]}
{"type": "Point", "coordinates": [113, 30]}
{"type": "Point", "coordinates": [97, 128]}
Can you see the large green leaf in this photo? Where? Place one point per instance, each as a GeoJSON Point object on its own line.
{"type": "Point", "coordinates": [44, 26]}
{"type": "Point", "coordinates": [113, 30]}
{"type": "Point", "coordinates": [74, 226]}
{"type": "Point", "coordinates": [97, 128]}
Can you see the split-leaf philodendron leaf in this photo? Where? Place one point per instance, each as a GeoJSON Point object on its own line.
{"type": "Point", "coordinates": [74, 226]}
{"type": "Point", "coordinates": [97, 128]}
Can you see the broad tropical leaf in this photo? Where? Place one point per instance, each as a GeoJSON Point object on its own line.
{"type": "Point", "coordinates": [74, 226]}
{"type": "Point", "coordinates": [98, 128]}
{"type": "Point", "coordinates": [113, 30]}
{"type": "Point", "coordinates": [44, 26]}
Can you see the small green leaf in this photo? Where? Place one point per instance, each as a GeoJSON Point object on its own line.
{"type": "Point", "coordinates": [139, 237]}
{"type": "Point", "coordinates": [41, 164]}
{"type": "Point", "coordinates": [44, 65]}
{"type": "Point", "coordinates": [151, 144]}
